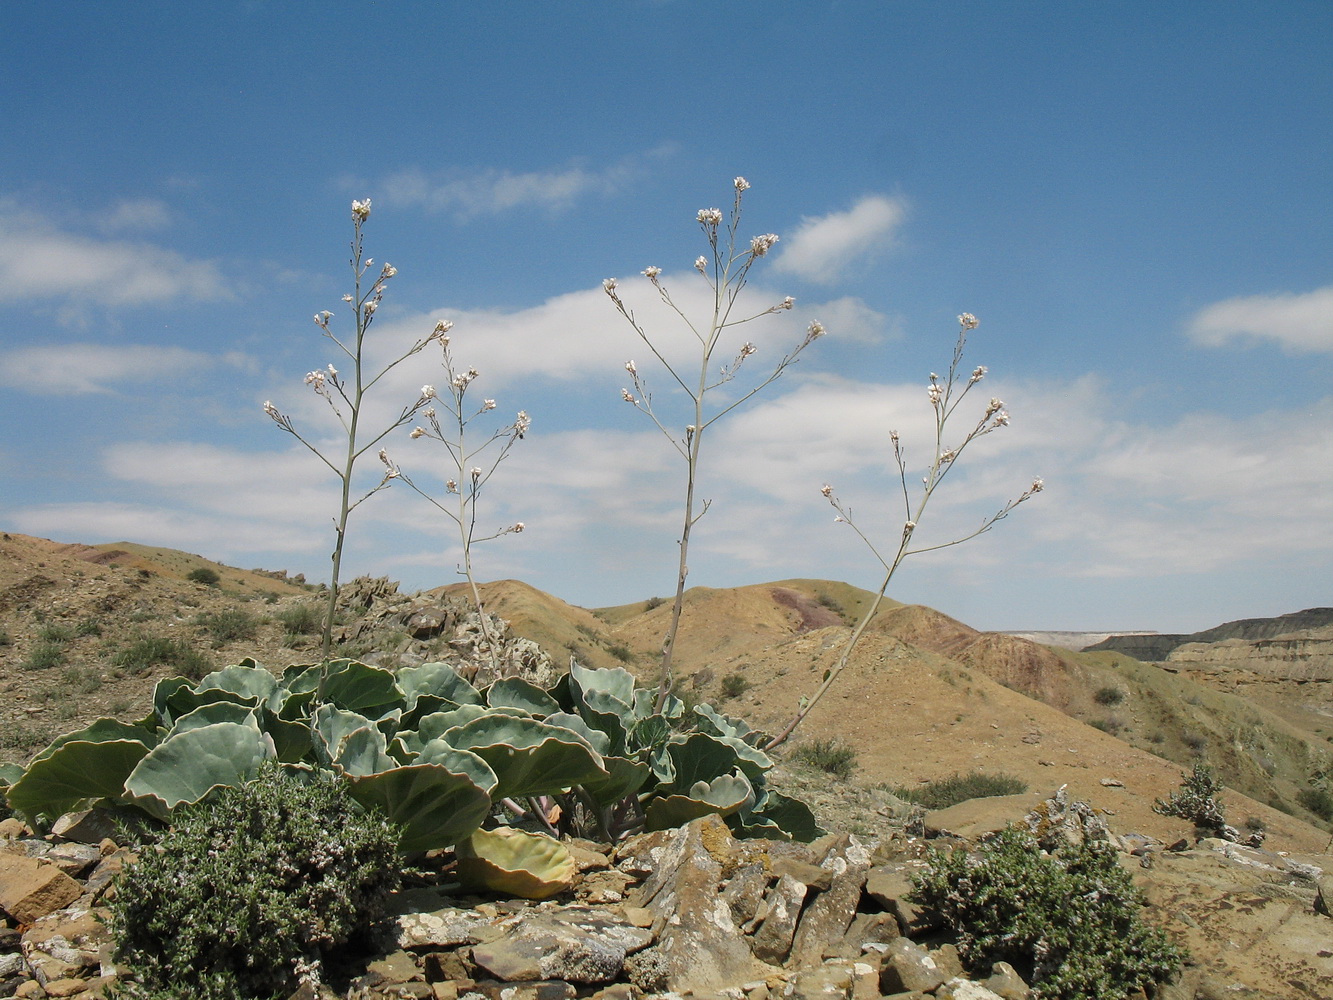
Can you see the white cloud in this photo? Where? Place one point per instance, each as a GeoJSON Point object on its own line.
{"type": "Point", "coordinates": [38, 260]}
{"type": "Point", "coordinates": [491, 191]}
{"type": "Point", "coordinates": [1299, 322]}
{"type": "Point", "coordinates": [821, 249]}
{"type": "Point", "coordinates": [72, 369]}
{"type": "Point", "coordinates": [135, 215]}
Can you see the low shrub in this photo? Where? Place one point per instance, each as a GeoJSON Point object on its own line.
{"type": "Point", "coordinates": [958, 788]}
{"type": "Point", "coordinates": [300, 619]}
{"type": "Point", "coordinates": [208, 577]}
{"type": "Point", "coordinates": [254, 889]}
{"type": "Point", "coordinates": [1068, 922]}
{"type": "Point", "coordinates": [1318, 800]}
{"type": "Point", "coordinates": [229, 625]}
{"type": "Point", "coordinates": [831, 755]}
{"type": "Point", "coordinates": [44, 655]}
{"type": "Point", "coordinates": [1109, 696]}
{"type": "Point", "coordinates": [55, 633]}
{"type": "Point", "coordinates": [734, 685]}
{"type": "Point", "coordinates": [145, 653]}
{"type": "Point", "coordinates": [1196, 801]}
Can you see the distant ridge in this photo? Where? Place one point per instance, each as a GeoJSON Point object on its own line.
{"type": "Point", "coordinates": [1153, 648]}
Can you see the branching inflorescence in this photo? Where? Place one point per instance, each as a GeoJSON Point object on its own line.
{"type": "Point", "coordinates": [945, 394]}
{"type": "Point", "coordinates": [346, 397]}
{"type": "Point", "coordinates": [726, 269]}
{"type": "Point", "coordinates": [468, 473]}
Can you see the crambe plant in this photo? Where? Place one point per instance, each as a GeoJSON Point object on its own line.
{"type": "Point", "coordinates": [346, 397]}
{"type": "Point", "coordinates": [464, 485]}
{"type": "Point", "coordinates": [726, 269]}
{"type": "Point", "coordinates": [946, 394]}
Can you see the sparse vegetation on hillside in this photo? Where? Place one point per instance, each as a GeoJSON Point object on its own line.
{"type": "Point", "coordinates": [831, 755]}
{"type": "Point", "coordinates": [1196, 801]}
{"type": "Point", "coordinates": [204, 575]}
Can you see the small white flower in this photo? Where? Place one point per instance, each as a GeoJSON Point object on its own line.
{"type": "Point", "coordinates": [967, 321]}
{"type": "Point", "coordinates": [371, 306]}
{"type": "Point", "coordinates": [629, 367]}
{"type": "Point", "coordinates": [815, 331]}
{"type": "Point", "coordinates": [429, 413]}
{"type": "Point", "coordinates": [361, 210]}
{"type": "Point", "coordinates": [994, 406]}
{"type": "Point", "coordinates": [417, 432]}
{"type": "Point", "coordinates": [827, 490]}
{"type": "Point", "coordinates": [1001, 419]}
{"type": "Point", "coordinates": [1038, 485]}
{"type": "Point", "coordinates": [787, 303]}
{"type": "Point", "coordinates": [741, 184]}
{"type": "Point", "coordinates": [651, 273]}
{"type": "Point", "coordinates": [978, 373]}
{"type": "Point", "coordinates": [935, 392]}
{"type": "Point", "coordinates": [518, 527]}
{"type": "Point", "coordinates": [475, 473]}
{"type": "Point", "coordinates": [627, 396]}
{"type": "Point", "coordinates": [488, 404]}
{"type": "Point", "coordinates": [271, 410]}
{"type": "Point", "coordinates": [333, 372]}
{"type": "Point", "coordinates": [347, 298]}
{"type": "Point", "coordinates": [747, 349]}
{"type": "Point", "coordinates": [428, 392]}
{"type": "Point", "coordinates": [709, 217]}
{"type": "Point", "coordinates": [451, 485]}
{"type": "Point", "coordinates": [760, 245]}
{"type": "Point", "coordinates": [609, 285]}
{"type": "Point", "coordinates": [315, 379]}
{"type": "Point", "coordinates": [388, 271]}
{"type": "Point", "coordinates": [700, 264]}
{"type": "Point", "coordinates": [522, 422]}
{"type": "Point", "coordinates": [441, 328]}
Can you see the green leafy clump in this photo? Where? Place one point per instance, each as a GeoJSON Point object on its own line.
{"type": "Point", "coordinates": [1068, 922]}
{"type": "Point", "coordinates": [277, 871]}
{"type": "Point", "coordinates": [229, 625]}
{"type": "Point", "coordinates": [147, 652]}
{"type": "Point", "coordinates": [734, 685]}
{"type": "Point", "coordinates": [208, 577]}
{"type": "Point", "coordinates": [1318, 800]}
{"type": "Point", "coordinates": [956, 788]}
{"type": "Point", "coordinates": [1196, 801]}
{"type": "Point", "coordinates": [300, 619]}
{"type": "Point", "coordinates": [44, 655]}
{"type": "Point", "coordinates": [1109, 696]}
{"type": "Point", "coordinates": [831, 755]}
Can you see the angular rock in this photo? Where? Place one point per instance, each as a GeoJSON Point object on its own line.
{"type": "Point", "coordinates": [964, 989]}
{"type": "Point", "coordinates": [443, 928]}
{"type": "Point", "coordinates": [889, 886]}
{"type": "Point", "coordinates": [1006, 983]}
{"type": "Point", "coordinates": [825, 920]}
{"type": "Point", "coordinates": [830, 981]}
{"type": "Point", "coordinates": [544, 990]}
{"type": "Point", "coordinates": [700, 946]}
{"type": "Point", "coordinates": [30, 889]}
{"type": "Point", "coordinates": [744, 892]}
{"type": "Point", "coordinates": [74, 937]}
{"type": "Point", "coordinates": [908, 967]}
{"type": "Point", "coordinates": [89, 826]}
{"type": "Point", "coordinates": [772, 942]}
{"type": "Point", "coordinates": [575, 944]}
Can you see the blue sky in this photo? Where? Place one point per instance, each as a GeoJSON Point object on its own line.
{"type": "Point", "coordinates": [1135, 199]}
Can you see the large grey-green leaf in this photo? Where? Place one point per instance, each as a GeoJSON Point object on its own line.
{"type": "Point", "coordinates": [699, 757]}
{"type": "Point", "coordinates": [436, 724]}
{"type": "Point", "coordinates": [597, 739]}
{"type": "Point", "coordinates": [778, 817]}
{"type": "Point", "coordinates": [206, 715]}
{"type": "Point", "coordinates": [624, 777]}
{"type": "Point", "coordinates": [185, 768]}
{"type": "Point", "coordinates": [247, 679]}
{"type": "Point", "coordinates": [359, 687]}
{"type": "Point", "coordinates": [102, 731]}
{"type": "Point", "coordinates": [723, 795]}
{"type": "Point", "coordinates": [614, 681]}
{"type": "Point", "coordinates": [363, 752]}
{"type": "Point", "coordinates": [460, 762]}
{"type": "Point", "coordinates": [330, 729]}
{"type": "Point", "coordinates": [515, 692]}
{"type": "Point", "coordinates": [527, 756]}
{"type": "Point", "coordinates": [435, 807]}
{"type": "Point", "coordinates": [78, 770]}
{"type": "Point", "coordinates": [437, 679]}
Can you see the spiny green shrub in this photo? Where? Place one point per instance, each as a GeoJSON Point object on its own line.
{"type": "Point", "coordinates": [300, 619]}
{"type": "Point", "coordinates": [1068, 922]}
{"type": "Point", "coordinates": [204, 575]}
{"type": "Point", "coordinates": [44, 655]}
{"type": "Point", "coordinates": [1109, 696]}
{"type": "Point", "coordinates": [1318, 800]}
{"type": "Point", "coordinates": [272, 873]}
{"type": "Point", "coordinates": [1196, 801]}
{"type": "Point", "coordinates": [956, 788]}
{"type": "Point", "coordinates": [734, 685]}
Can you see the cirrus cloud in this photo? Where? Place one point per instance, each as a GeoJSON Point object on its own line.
{"type": "Point", "coordinates": [1299, 322]}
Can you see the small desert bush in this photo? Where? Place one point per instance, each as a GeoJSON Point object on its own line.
{"type": "Point", "coordinates": [143, 654]}
{"type": "Point", "coordinates": [5, 638]}
{"type": "Point", "coordinates": [831, 755]}
{"type": "Point", "coordinates": [734, 685]}
{"type": "Point", "coordinates": [1110, 725]}
{"type": "Point", "coordinates": [621, 652]}
{"type": "Point", "coordinates": [958, 788]}
{"type": "Point", "coordinates": [300, 619]}
{"type": "Point", "coordinates": [1318, 800]}
{"type": "Point", "coordinates": [208, 577]}
{"type": "Point", "coordinates": [44, 655]}
{"type": "Point", "coordinates": [251, 891]}
{"type": "Point", "coordinates": [1068, 922]}
{"type": "Point", "coordinates": [1109, 696]}
{"type": "Point", "coordinates": [1196, 801]}
{"type": "Point", "coordinates": [228, 625]}
{"type": "Point", "coordinates": [55, 633]}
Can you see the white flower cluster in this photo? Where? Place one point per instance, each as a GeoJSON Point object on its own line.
{"type": "Point", "coordinates": [360, 211]}
{"type": "Point", "coordinates": [709, 217]}
{"type": "Point", "coordinates": [967, 321]}
{"type": "Point", "coordinates": [760, 245]}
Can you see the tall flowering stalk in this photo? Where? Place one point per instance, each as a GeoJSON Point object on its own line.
{"type": "Point", "coordinates": [346, 397]}
{"type": "Point", "coordinates": [467, 480]}
{"type": "Point", "coordinates": [945, 395]}
{"type": "Point", "coordinates": [726, 269]}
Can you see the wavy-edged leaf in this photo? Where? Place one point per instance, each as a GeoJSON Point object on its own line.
{"type": "Point", "coordinates": [102, 731]}
{"type": "Point", "coordinates": [163, 691]}
{"type": "Point", "coordinates": [624, 777]}
{"type": "Point", "coordinates": [616, 682]}
{"type": "Point", "coordinates": [363, 751]}
{"type": "Point", "coordinates": [435, 807]}
{"type": "Point", "coordinates": [778, 818]}
{"type": "Point", "coordinates": [515, 692]}
{"type": "Point", "coordinates": [516, 863]}
{"type": "Point", "coordinates": [247, 679]}
{"type": "Point", "coordinates": [331, 727]}
{"type": "Point", "coordinates": [723, 795]}
{"type": "Point", "coordinates": [436, 724]}
{"type": "Point", "coordinates": [358, 687]}
{"type": "Point", "coordinates": [460, 762]}
{"type": "Point", "coordinates": [699, 757]}
{"type": "Point", "coordinates": [439, 680]}
{"type": "Point", "coordinates": [527, 756]}
{"type": "Point", "coordinates": [597, 739]}
{"type": "Point", "coordinates": [185, 768]}
{"type": "Point", "coordinates": [79, 770]}
{"type": "Point", "coordinates": [207, 715]}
